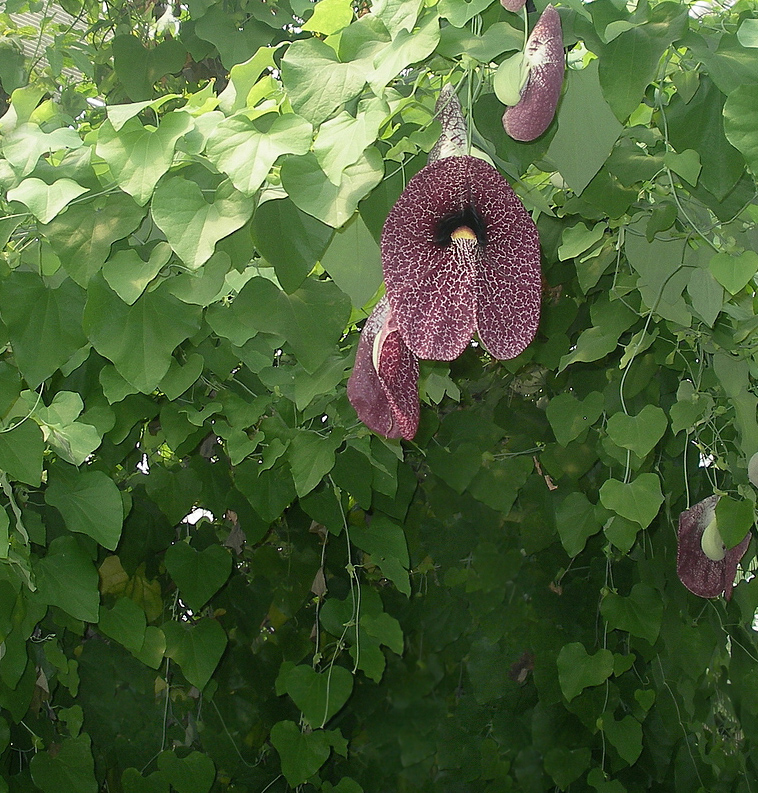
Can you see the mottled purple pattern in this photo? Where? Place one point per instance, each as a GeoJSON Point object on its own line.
{"type": "Point", "coordinates": [513, 5]}
{"type": "Point", "coordinates": [544, 52]}
{"type": "Point", "coordinates": [453, 140]}
{"type": "Point", "coordinates": [701, 575]}
{"type": "Point", "coordinates": [441, 296]}
{"type": "Point", "coordinates": [387, 401]}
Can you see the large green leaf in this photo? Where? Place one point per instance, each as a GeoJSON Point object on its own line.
{"type": "Point", "coordinates": [82, 236]}
{"type": "Point", "coordinates": [45, 325]}
{"type": "Point", "coordinates": [638, 500]}
{"type": "Point", "coordinates": [128, 275]}
{"type": "Point", "coordinates": [245, 150]}
{"type": "Point", "coordinates": [21, 450]}
{"type": "Point", "coordinates": [624, 735]}
{"type": "Point", "coordinates": [570, 417]}
{"type": "Point", "coordinates": [385, 542]}
{"type": "Point", "coordinates": [311, 457]}
{"type": "Point", "coordinates": [577, 520]}
{"type": "Point", "coordinates": [578, 670]}
{"type": "Point", "coordinates": [139, 339]}
{"type": "Point", "coordinates": [235, 39]}
{"type": "Point", "coordinates": [290, 239]}
{"type": "Point", "coordinates": [301, 753]}
{"type": "Point", "coordinates": [310, 189]}
{"type": "Point", "coordinates": [90, 503]}
{"type": "Point", "coordinates": [125, 622]}
{"type": "Point", "coordinates": [587, 129]}
{"type": "Point", "coordinates": [191, 224]}
{"type": "Point", "coordinates": [197, 648]}
{"type": "Point", "coordinates": [66, 578]}
{"type": "Point", "coordinates": [198, 574]}
{"type": "Point", "coordinates": [639, 433]}
{"type": "Point", "coordinates": [640, 613]}
{"type": "Point", "coordinates": [734, 272]}
{"type": "Point", "coordinates": [193, 773]}
{"type": "Point", "coordinates": [311, 319]}
{"type": "Point", "coordinates": [139, 67]}
{"type": "Point", "coordinates": [46, 201]}
{"type": "Point", "coordinates": [319, 695]}
{"type": "Point", "coordinates": [137, 155]}
{"type": "Point", "coordinates": [66, 767]}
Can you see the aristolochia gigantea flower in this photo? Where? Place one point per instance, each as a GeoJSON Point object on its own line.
{"type": "Point", "coordinates": [703, 563]}
{"type": "Point", "coordinates": [461, 255]}
{"type": "Point", "coordinates": [383, 385]}
{"type": "Point", "coordinates": [545, 60]}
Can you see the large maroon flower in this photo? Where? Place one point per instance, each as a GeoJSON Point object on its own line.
{"type": "Point", "coordinates": [544, 56]}
{"type": "Point", "coordinates": [383, 384]}
{"type": "Point", "coordinates": [704, 566]}
{"type": "Point", "coordinates": [461, 256]}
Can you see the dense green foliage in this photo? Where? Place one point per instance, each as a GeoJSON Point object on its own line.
{"type": "Point", "coordinates": [192, 198]}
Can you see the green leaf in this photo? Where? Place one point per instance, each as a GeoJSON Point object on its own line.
{"type": "Point", "coordinates": [245, 150]}
{"type": "Point", "coordinates": [317, 83]}
{"type": "Point", "coordinates": [90, 503]}
{"type": "Point", "coordinates": [640, 613]}
{"type": "Point", "coordinates": [329, 16]}
{"type": "Point", "coordinates": [192, 225]}
{"type": "Point", "coordinates": [290, 239]}
{"type": "Point", "coordinates": [570, 417]}
{"type": "Point", "coordinates": [179, 378]}
{"type": "Point", "coordinates": [353, 260]}
{"type": "Point", "coordinates": [342, 140]}
{"type": "Point", "coordinates": [46, 201]}
{"type": "Point", "coordinates": [625, 736]}
{"type": "Point", "coordinates": [734, 519]}
{"type": "Point", "coordinates": [198, 574]}
{"type": "Point", "coordinates": [578, 239]}
{"type": "Point", "coordinates": [310, 189]}
{"type": "Point", "coordinates": [269, 491]}
{"type": "Point", "coordinates": [386, 544]}
{"type": "Point", "coordinates": [311, 319]}
{"type": "Point", "coordinates": [566, 765]}
{"type": "Point", "coordinates": [510, 78]}
{"type": "Point", "coordinates": [128, 275]}
{"type": "Point", "coordinates": [194, 773]}
{"type": "Point", "coordinates": [578, 670]}
{"type": "Point", "coordinates": [27, 143]}
{"type": "Point", "coordinates": [82, 236]}
{"type": "Point", "coordinates": [687, 164]}
{"type": "Point", "coordinates": [311, 457]}
{"type": "Point", "coordinates": [67, 767]}
{"type": "Point", "coordinates": [21, 451]}
{"type": "Point", "coordinates": [139, 339]}
{"type": "Point", "coordinates": [196, 648]}
{"type": "Point", "coordinates": [457, 13]}
{"type": "Point", "coordinates": [319, 695]}
{"type": "Point", "coordinates": [138, 156]}
{"type": "Point", "coordinates": [638, 500]}
{"type": "Point", "coordinates": [44, 324]}
{"type": "Point", "coordinates": [235, 37]}
{"type": "Point", "coordinates": [133, 782]}
{"type": "Point", "coordinates": [126, 623]}
{"type": "Point", "coordinates": [385, 629]}
{"type": "Point", "coordinates": [67, 578]}
{"type": "Point", "coordinates": [740, 117]}
{"type": "Point", "coordinates": [639, 433]}
{"type": "Point", "coordinates": [580, 147]}
{"type": "Point", "coordinates": [301, 754]}
{"type": "Point", "coordinates": [139, 68]}
{"type": "Point", "coordinates": [747, 35]}
{"type": "Point", "coordinates": [577, 520]}
{"type": "Point", "coordinates": [734, 273]}
{"type": "Point", "coordinates": [707, 295]}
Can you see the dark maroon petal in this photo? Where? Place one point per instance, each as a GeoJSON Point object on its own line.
{"type": "Point", "coordinates": [453, 140]}
{"type": "Point", "coordinates": [387, 404]}
{"type": "Point", "coordinates": [441, 294]}
{"type": "Point", "coordinates": [544, 53]}
{"type": "Point", "coordinates": [513, 5]}
{"type": "Point", "coordinates": [701, 575]}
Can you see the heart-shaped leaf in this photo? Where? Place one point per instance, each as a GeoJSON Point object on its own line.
{"type": "Point", "coordinates": [569, 417]}
{"type": "Point", "coordinates": [310, 189]}
{"type": "Point", "coordinates": [624, 735]}
{"type": "Point", "coordinates": [67, 767]}
{"type": "Point", "coordinates": [301, 753]}
{"type": "Point", "coordinates": [578, 670]}
{"type": "Point", "coordinates": [193, 226]}
{"type": "Point", "coordinates": [43, 200]}
{"type": "Point", "coordinates": [639, 433]}
{"type": "Point", "coordinates": [640, 613]}
{"type": "Point", "coordinates": [128, 275]}
{"type": "Point", "coordinates": [638, 501]}
{"type": "Point", "coordinates": [734, 272]}
{"type": "Point", "coordinates": [139, 68]}
{"type": "Point", "coordinates": [196, 648]}
{"type": "Point", "coordinates": [245, 150]}
{"type": "Point", "coordinates": [741, 122]}
{"type": "Point", "coordinates": [198, 574]}
{"type": "Point", "coordinates": [319, 695]}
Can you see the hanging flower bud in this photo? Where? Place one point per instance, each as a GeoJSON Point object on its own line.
{"type": "Point", "coordinates": [383, 384]}
{"type": "Point", "coordinates": [545, 60]}
{"type": "Point", "coordinates": [704, 565]}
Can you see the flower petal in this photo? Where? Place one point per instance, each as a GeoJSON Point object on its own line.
{"type": "Point", "coordinates": [513, 5]}
{"type": "Point", "coordinates": [532, 115]}
{"type": "Point", "coordinates": [385, 401]}
{"type": "Point", "coordinates": [703, 576]}
{"type": "Point", "coordinates": [442, 293]}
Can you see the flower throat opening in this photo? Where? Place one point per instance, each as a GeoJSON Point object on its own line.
{"type": "Point", "coordinates": [466, 224]}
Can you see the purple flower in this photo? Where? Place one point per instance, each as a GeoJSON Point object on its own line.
{"type": "Point", "coordinates": [703, 564]}
{"type": "Point", "coordinates": [512, 5]}
{"type": "Point", "coordinates": [544, 56]}
{"type": "Point", "coordinates": [461, 256]}
{"type": "Point", "coordinates": [383, 384]}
